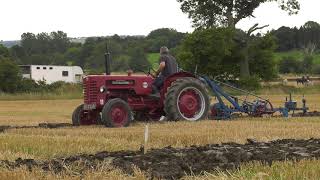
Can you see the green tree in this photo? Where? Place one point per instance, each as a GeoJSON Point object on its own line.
{"type": "Point", "coordinates": [28, 42]}
{"type": "Point", "coordinates": [42, 43]}
{"type": "Point", "coordinates": [210, 13]}
{"type": "Point", "coordinates": [215, 53]}
{"type": "Point", "coordinates": [4, 52]}
{"type": "Point", "coordinates": [310, 36]}
{"type": "Point", "coordinates": [316, 69]}
{"type": "Point", "coordinates": [163, 37]}
{"type": "Point", "coordinates": [72, 55]}
{"type": "Point", "coordinates": [307, 63]}
{"type": "Point", "coordinates": [286, 38]}
{"type": "Point", "coordinates": [227, 13]}
{"type": "Point", "coordinates": [121, 63]}
{"type": "Point", "coordinates": [290, 64]}
{"type": "Point", "coordinates": [60, 41]}
{"type": "Point", "coordinates": [9, 76]}
{"type": "Point", "coordinates": [138, 60]}
{"type": "Point", "coordinates": [39, 59]}
{"type": "Point", "coordinates": [210, 51]}
{"type": "Point", "coordinates": [307, 37]}
{"type": "Point", "coordinates": [17, 53]}
{"type": "Point", "coordinates": [49, 47]}
{"type": "Point", "coordinates": [261, 57]}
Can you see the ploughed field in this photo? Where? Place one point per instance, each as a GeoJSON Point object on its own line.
{"type": "Point", "coordinates": [175, 150]}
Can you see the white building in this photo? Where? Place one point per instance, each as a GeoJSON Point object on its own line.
{"type": "Point", "coordinates": [51, 74]}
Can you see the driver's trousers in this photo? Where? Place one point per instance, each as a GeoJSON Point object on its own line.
{"type": "Point", "coordinates": [158, 83]}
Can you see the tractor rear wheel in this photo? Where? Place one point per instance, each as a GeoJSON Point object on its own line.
{"type": "Point", "coordinates": [116, 113]}
{"type": "Point", "coordinates": [82, 117]}
{"type": "Point", "coordinates": [187, 99]}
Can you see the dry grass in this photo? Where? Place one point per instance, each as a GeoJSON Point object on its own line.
{"type": "Point", "coordinates": [309, 169]}
{"type": "Point", "coordinates": [48, 143]}
{"type": "Point", "coordinates": [36, 111]}
{"type": "Point", "coordinates": [103, 172]}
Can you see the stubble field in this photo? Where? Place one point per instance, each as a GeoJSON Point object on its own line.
{"type": "Point", "coordinates": [45, 144]}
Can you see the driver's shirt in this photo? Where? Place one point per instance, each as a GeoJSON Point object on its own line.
{"type": "Point", "coordinates": [171, 65]}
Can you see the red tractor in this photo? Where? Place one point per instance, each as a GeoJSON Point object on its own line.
{"type": "Point", "coordinates": [117, 100]}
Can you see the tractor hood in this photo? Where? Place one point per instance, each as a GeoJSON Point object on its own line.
{"type": "Point", "coordinates": [140, 84]}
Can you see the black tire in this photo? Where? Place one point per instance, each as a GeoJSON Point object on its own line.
{"type": "Point", "coordinates": [109, 120]}
{"type": "Point", "coordinates": [174, 92]}
{"type": "Point", "coordinates": [76, 120]}
{"type": "Point", "coordinates": [76, 117]}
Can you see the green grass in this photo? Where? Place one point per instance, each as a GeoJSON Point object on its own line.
{"type": "Point", "coordinates": [298, 54]}
{"type": "Point", "coordinates": [153, 58]}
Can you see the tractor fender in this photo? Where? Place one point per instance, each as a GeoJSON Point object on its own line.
{"type": "Point", "coordinates": [170, 79]}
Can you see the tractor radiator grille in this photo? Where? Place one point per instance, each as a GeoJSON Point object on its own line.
{"type": "Point", "coordinates": [90, 92]}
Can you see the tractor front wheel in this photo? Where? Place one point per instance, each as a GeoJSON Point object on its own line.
{"type": "Point", "coordinates": [116, 113]}
{"type": "Point", "coordinates": [187, 99]}
{"type": "Point", "coordinates": [82, 117]}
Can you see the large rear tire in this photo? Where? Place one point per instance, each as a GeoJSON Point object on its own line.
{"type": "Point", "coordinates": [116, 113]}
{"type": "Point", "coordinates": [187, 99]}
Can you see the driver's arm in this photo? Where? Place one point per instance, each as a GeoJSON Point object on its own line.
{"type": "Point", "coordinates": [161, 67]}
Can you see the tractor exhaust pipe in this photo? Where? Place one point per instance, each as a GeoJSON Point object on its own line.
{"type": "Point", "coordinates": [107, 57]}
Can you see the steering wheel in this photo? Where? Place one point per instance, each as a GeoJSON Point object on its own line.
{"type": "Point", "coordinates": [147, 73]}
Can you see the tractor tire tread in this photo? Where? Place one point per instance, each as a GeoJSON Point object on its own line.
{"type": "Point", "coordinates": [75, 116]}
{"type": "Point", "coordinates": [106, 120]}
{"type": "Point", "coordinates": [170, 107]}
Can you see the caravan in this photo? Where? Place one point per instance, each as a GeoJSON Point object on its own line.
{"type": "Point", "coordinates": [51, 74]}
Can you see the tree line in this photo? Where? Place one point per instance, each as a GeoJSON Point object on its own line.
{"type": "Point", "coordinates": [55, 48]}
{"type": "Point", "coordinates": [217, 52]}
{"type": "Point", "coordinates": [207, 14]}
{"type": "Point", "coordinates": [307, 37]}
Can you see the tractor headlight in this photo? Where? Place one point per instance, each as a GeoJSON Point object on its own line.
{"type": "Point", "coordinates": [145, 85]}
{"type": "Point", "coordinates": [102, 89]}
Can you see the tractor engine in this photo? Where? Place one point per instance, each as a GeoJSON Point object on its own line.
{"type": "Point", "coordinates": [98, 89]}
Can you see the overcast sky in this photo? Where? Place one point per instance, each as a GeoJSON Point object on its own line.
{"type": "Point", "coordinates": [83, 18]}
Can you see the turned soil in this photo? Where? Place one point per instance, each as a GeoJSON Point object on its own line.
{"type": "Point", "coordinates": [174, 163]}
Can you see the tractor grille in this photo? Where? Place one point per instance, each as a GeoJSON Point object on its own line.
{"type": "Point", "coordinates": [90, 92]}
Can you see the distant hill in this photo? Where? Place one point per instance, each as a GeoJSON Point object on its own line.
{"type": "Point", "coordinates": [81, 40]}
{"type": "Point", "coordinates": [9, 44]}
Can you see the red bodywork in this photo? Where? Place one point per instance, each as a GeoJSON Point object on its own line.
{"type": "Point", "coordinates": [134, 89]}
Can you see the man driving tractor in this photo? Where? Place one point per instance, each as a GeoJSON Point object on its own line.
{"type": "Point", "coordinates": [167, 66]}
